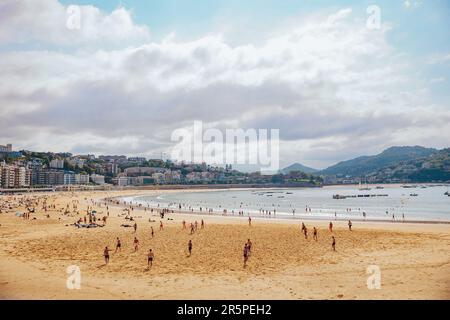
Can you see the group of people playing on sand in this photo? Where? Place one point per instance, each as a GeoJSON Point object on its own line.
{"type": "Point", "coordinates": [304, 230]}
{"type": "Point", "coordinates": [193, 228]}
{"type": "Point", "coordinates": [150, 254]}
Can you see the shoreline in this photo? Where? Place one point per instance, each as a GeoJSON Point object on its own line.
{"type": "Point", "coordinates": [284, 215]}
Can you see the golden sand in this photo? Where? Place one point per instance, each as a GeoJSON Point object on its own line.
{"type": "Point", "coordinates": [414, 259]}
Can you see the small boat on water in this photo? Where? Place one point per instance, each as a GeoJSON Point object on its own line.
{"type": "Point", "coordinates": [413, 194]}
{"type": "Point", "coordinates": [379, 187]}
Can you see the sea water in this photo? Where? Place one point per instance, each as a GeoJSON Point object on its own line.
{"type": "Point", "coordinates": [422, 202]}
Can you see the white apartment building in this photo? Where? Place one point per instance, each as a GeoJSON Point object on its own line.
{"type": "Point", "coordinates": [57, 164]}
{"type": "Point", "coordinates": [82, 179]}
{"type": "Point", "coordinates": [122, 181]}
{"type": "Point", "coordinates": [7, 148]}
{"type": "Point", "coordinates": [69, 178]}
{"type": "Point", "coordinates": [14, 176]}
{"type": "Point", "coordinates": [97, 178]}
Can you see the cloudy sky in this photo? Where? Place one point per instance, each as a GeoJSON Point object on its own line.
{"type": "Point", "coordinates": [334, 82]}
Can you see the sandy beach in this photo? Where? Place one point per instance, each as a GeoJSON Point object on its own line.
{"type": "Point", "coordinates": [414, 259]}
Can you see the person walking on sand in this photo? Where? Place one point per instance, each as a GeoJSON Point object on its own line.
{"type": "Point", "coordinates": [136, 244]}
{"type": "Point", "coordinates": [184, 225]}
{"type": "Point", "coordinates": [305, 232]}
{"type": "Point", "coordinates": [150, 257]}
{"type": "Point", "coordinates": [161, 226]}
{"type": "Point", "coordinates": [106, 255]}
{"type": "Point", "coordinates": [303, 227]}
{"type": "Point", "coordinates": [245, 255]}
{"type": "Point", "coordinates": [190, 247]}
{"type": "Point", "coordinates": [249, 221]}
{"type": "Point", "coordinates": [350, 225]}
{"type": "Point", "coordinates": [315, 234]}
{"type": "Point", "coordinates": [202, 226]}
{"type": "Point", "coordinates": [135, 227]}
{"type": "Point", "coordinates": [118, 245]}
{"type": "Point", "coordinates": [192, 228]}
{"type": "Point", "coordinates": [333, 244]}
{"type": "Point", "coordinates": [153, 232]}
{"type": "Point", "coordinates": [249, 246]}
{"type": "Point", "coordinates": [330, 227]}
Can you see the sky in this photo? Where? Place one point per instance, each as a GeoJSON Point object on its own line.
{"type": "Point", "coordinates": [337, 78]}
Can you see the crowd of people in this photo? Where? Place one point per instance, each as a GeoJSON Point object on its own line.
{"type": "Point", "coordinates": [90, 217]}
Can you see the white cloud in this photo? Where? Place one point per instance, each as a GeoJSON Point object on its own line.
{"type": "Point", "coordinates": [442, 58]}
{"type": "Point", "coordinates": [46, 22]}
{"type": "Point", "coordinates": [331, 86]}
{"type": "Point", "coordinates": [411, 4]}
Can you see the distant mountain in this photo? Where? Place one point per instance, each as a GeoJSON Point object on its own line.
{"type": "Point", "coordinates": [434, 168]}
{"type": "Point", "coordinates": [298, 167]}
{"type": "Point", "coordinates": [366, 165]}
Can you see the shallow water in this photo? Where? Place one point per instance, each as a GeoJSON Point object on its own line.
{"type": "Point", "coordinates": [430, 204]}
